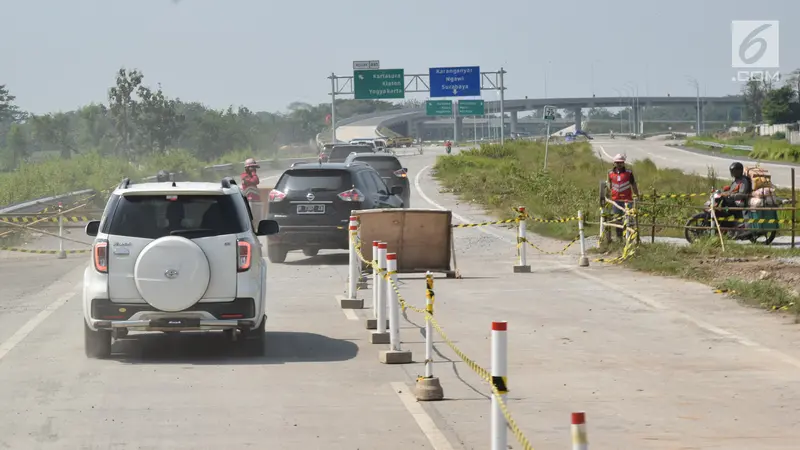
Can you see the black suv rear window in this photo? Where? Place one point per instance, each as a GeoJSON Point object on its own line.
{"type": "Point", "coordinates": [341, 153]}
{"type": "Point", "coordinates": [381, 163]}
{"type": "Point", "coordinates": [156, 216]}
{"type": "Point", "coordinates": [314, 180]}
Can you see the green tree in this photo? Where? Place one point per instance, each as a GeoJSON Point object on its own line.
{"type": "Point", "coordinates": [754, 93]}
{"type": "Point", "coordinates": [94, 127]}
{"type": "Point", "coordinates": [54, 130]}
{"type": "Point", "coordinates": [158, 120]}
{"type": "Point", "coordinates": [18, 144]}
{"type": "Point", "coordinates": [8, 110]}
{"type": "Point", "coordinates": [124, 108]}
{"type": "Point", "coordinates": [777, 107]}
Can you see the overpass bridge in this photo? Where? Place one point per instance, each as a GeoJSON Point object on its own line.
{"type": "Point", "coordinates": [413, 121]}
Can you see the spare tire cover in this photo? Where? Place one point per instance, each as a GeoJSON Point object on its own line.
{"type": "Point", "coordinates": [172, 273]}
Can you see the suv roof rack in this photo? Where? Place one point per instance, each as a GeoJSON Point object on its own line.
{"type": "Point", "coordinates": [124, 183]}
{"type": "Point", "coordinates": [227, 182]}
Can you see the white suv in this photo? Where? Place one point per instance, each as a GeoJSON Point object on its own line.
{"type": "Point", "coordinates": [175, 256]}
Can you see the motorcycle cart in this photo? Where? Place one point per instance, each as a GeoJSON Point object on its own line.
{"type": "Point", "coordinates": [766, 230]}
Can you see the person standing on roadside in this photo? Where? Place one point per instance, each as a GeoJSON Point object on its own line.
{"type": "Point", "coordinates": [623, 188]}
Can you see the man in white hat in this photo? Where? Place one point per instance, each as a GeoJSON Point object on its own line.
{"type": "Point", "coordinates": [623, 188]}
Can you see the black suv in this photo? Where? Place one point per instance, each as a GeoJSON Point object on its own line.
{"type": "Point", "coordinates": [390, 169]}
{"type": "Point", "coordinates": [312, 203]}
{"type": "Point", "coordinates": [338, 153]}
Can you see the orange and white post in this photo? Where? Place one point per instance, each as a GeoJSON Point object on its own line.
{"type": "Point", "coordinates": [499, 380]}
{"type": "Point", "coordinates": [579, 441]}
{"type": "Point", "coordinates": [352, 278]}
{"type": "Point", "coordinates": [393, 302]}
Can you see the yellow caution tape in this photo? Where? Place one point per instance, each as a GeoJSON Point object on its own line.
{"type": "Point", "coordinates": [484, 374]}
{"type": "Point", "coordinates": [664, 196]}
{"type": "Point", "coordinates": [496, 222]}
{"type": "Point", "coordinates": [41, 252]}
{"type": "Point", "coordinates": [520, 241]}
{"type": "Point", "coordinates": [30, 219]}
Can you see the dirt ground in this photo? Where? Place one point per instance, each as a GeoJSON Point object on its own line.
{"type": "Point", "coordinates": [782, 270]}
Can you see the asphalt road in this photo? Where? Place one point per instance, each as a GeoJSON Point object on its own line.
{"type": "Point", "coordinates": [656, 363]}
{"type": "Point", "coordinates": [690, 162]}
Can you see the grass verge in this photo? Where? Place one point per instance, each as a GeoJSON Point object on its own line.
{"type": "Point", "coordinates": [764, 148]}
{"type": "Point", "coordinates": [756, 275]}
{"type": "Point", "coordinates": [501, 177]}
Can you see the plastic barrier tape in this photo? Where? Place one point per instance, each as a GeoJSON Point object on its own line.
{"type": "Point", "coordinates": [40, 219]}
{"type": "Point", "coordinates": [484, 374]}
{"type": "Point", "coordinates": [41, 252]}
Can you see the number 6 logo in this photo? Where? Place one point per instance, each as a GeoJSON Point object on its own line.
{"type": "Point", "coordinates": [754, 43]}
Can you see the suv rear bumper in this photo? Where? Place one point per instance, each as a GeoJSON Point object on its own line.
{"type": "Point", "coordinates": [330, 237]}
{"type": "Point", "coordinates": [180, 323]}
{"type": "Point", "coordinates": [241, 313]}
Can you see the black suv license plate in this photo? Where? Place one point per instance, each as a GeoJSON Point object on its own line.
{"type": "Point", "coordinates": [175, 323]}
{"type": "Point", "coordinates": [310, 209]}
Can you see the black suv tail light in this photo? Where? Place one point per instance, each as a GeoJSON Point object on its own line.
{"type": "Point", "coordinates": [353, 195]}
{"type": "Point", "coordinates": [276, 196]}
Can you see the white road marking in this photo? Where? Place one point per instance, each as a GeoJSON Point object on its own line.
{"type": "Point", "coordinates": [791, 360]}
{"type": "Point", "coordinates": [30, 325]}
{"type": "Point", "coordinates": [426, 424]}
{"type": "Point", "coordinates": [350, 314]}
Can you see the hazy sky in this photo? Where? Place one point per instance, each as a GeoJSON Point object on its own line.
{"type": "Point", "coordinates": [265, 54]}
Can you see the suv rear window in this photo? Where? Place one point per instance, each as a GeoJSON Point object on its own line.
{"type": "Point", "coordinates": [156, 216]}
{"type": "Point", "coordinates": [342, 152]}
{"type": "Point", "coordinates": [314, 180]}
{"type": "Point", "coordinates": [381, 163]}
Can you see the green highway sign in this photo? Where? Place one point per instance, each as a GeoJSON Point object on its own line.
{"type": "Point", "coordinates": [439, 107]}
{"type": "Point", "coordinates": [470, 108]}
{"type": "Point", "coordinates": [379, 84]}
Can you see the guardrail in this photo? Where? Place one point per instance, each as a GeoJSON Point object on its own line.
{"type": "Point", "coordinates": [747, 148]}
{"type": "Point", "coordinates": [35, 206]}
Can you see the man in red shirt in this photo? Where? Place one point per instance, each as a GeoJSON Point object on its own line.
{"type": "Point", "coordinates": [250, 187]}
{"type": "Point", "coordinates": [623, 188]}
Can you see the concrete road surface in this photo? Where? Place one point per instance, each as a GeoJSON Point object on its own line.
{"type": "Point", "coordinates": [656, 363]}
{"type": "Point", "coordinates": [690, 162]}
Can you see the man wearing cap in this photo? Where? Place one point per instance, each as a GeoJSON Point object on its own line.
{"type": "Point", "coordinates": [623, 188]}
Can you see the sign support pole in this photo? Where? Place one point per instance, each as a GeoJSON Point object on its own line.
{"type": "Point", "coordinates": [333, 108]}
{"type": "Point", "coordinates": [455, 121]}
{"type": "Point", "coordinates": [546, 144]}
{"type": "Point", "coordinates": [502, 108]}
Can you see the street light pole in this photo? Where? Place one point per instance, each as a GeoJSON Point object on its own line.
{"type": "Point", "coordinates": [693, 81]}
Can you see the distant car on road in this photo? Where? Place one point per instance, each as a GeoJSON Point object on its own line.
{"type": "Point", "coordinates": [312, 203]}
{"type": "Point", "coordinates": [390, 169]}
{"type": "Point", "coordinates": [338, 153]}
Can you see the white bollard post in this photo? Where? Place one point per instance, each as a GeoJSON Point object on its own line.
{"type": "Point", "coordinates": [394, 355]}
{"type": "Point", "coordinates": [428, 388]}
{"type": "Point", "coordinates": [352, 277]}
{"type": "Point", "coordinates": [61, 253]}
{"type": "Point", "coordinates": [578, 428]}
{"type": "Point", "coordinates": [372, 324]}
{"type": "Point", "coordinates": [380, 336]}
{"type": "Point", "coordinates": [361, 283]}
{"type": "Point", "coordinates": [584, 260]}
{"type": "Point", "coordinates": [522, 244]}
{"type": "Point", "coordinates": [499, 380]}
{"type": "Point", "coordinates": [351, 300]}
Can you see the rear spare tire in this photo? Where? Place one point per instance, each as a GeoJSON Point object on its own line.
{"type": "Point", "coordinates": [172, 273]}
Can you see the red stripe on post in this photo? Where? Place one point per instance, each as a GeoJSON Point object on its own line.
{"type": "Point", "coordinates": [353, 227]}
{"type": "Point", "coordinates": [382, 244]}
{"type": "Point", "coordinates": [521, 209]}
{"type": "Point", "coordinates": [353, 218]}
{"type": "Point", "coordinates": [391, 256]}
{"type": "Point", "coordinates": [499, 326]}
{"type": "Point", "coordinates": [578, 418]}
{"type": "Point", "coordinates": [375, 243]}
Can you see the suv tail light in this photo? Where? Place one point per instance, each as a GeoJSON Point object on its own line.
{"type": "Point", "coordinates": [401, 173]}
{"type": "Point", "coordinates": [100, 252]}
{"type": "Point", "coordinates": [353, 195]}
{"type": "Point", "coordinates": [276, 196]}
{"type": "Point", "coordinates": [244, 252]}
